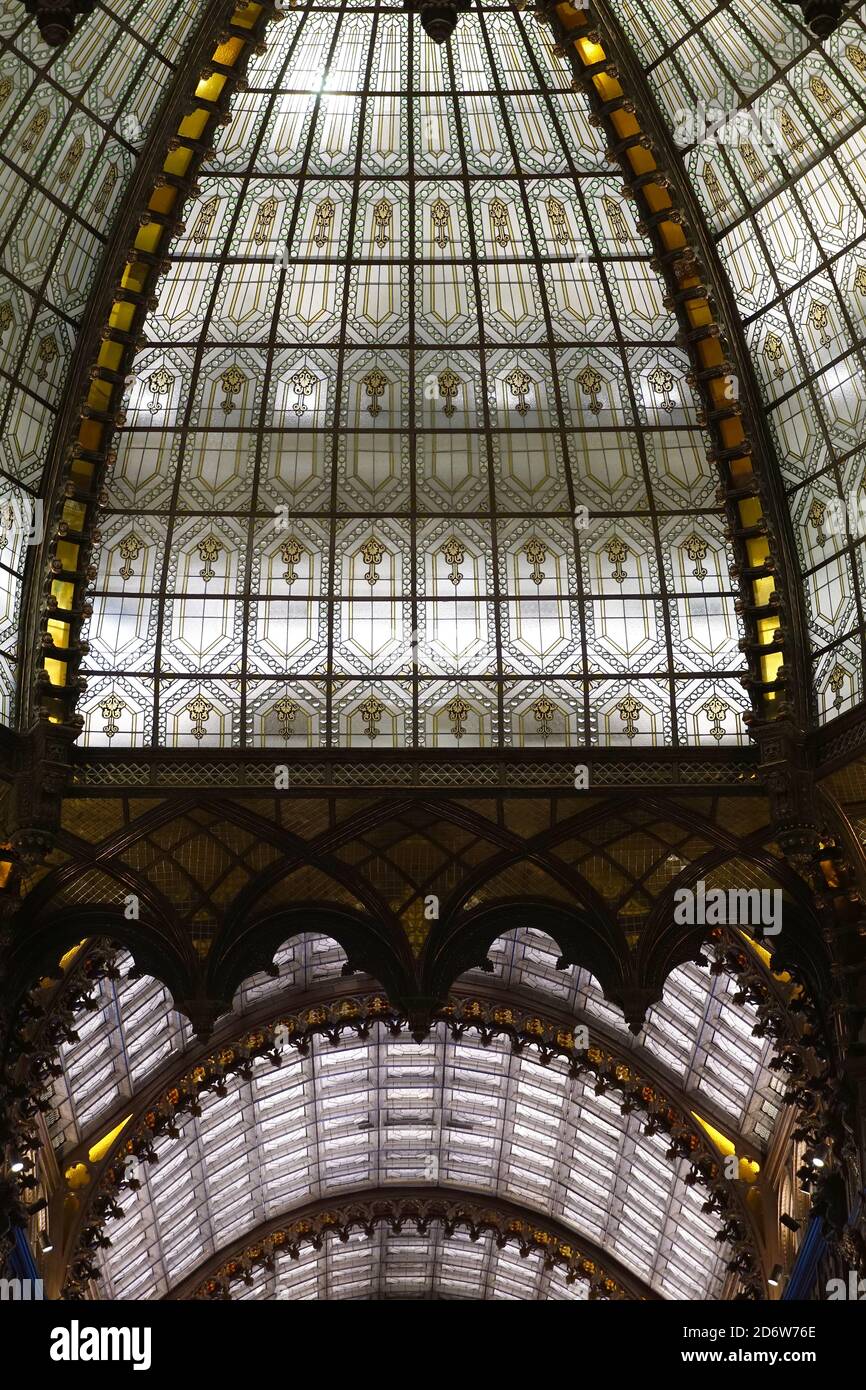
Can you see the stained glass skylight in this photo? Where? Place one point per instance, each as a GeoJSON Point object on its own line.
{"type": "Point", "coordinates": [380, 1112]}
{"type": "Point", "coordinates": [771, 126]}
{"type": "Point", "coordinates": [72, 122]}
{"type": "Point", "coordinates": [383, 1111]}
{"type": "Point", "coordinates": [412, 1265]}
{"type": "Point", "coordinates": [410, 458]}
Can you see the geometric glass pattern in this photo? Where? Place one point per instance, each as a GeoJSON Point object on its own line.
{"type": "Point", "coordinates": [72, 122]}
{"type": "Point", "coordinates": [782, 190]}
{"type": "Point", "coordinates": [380, 1111]}
{"type": "Point", "coordinates": [412, 1265]}
{"type": "Point", "coordinates": [410, 458]}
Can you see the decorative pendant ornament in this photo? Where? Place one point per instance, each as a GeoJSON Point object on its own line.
{"type": "Point", "coordinates": [438, 17]}
{"type": "Point", "coordinates": [56, 18]}
{"type": "Point", "coordinates": [822, 16]}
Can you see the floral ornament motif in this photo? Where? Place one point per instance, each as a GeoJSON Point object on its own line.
{"type": "Point", "coordinates": [46, 354]}
{"type": "Point", "coordinates": [286, 711]}
{"type": "Point", "coordinates": [774, 351]}
{"type": "Point", "coordinates": [454, 554]}
{"type": "Point", "coordinates": [696, 548]}
{"type": "Point", "coordinates": [199, 710]}
{"type": "Point", "coordinates": [613, 211]}
{"type": "Point", "coordinates": [323, 218]}
{"type": "Point", "coordinates": [302, 384]}
{"type": "Point", "coordinates": [617, 552]}
{"type": "Point", "coordinates": [129, 549]}
{"type": "Point", "coordinates": [383, 214]}
{"type": "Point", "coordinates": [815, 517]}
{"type": "Point", "coordinates": [628, 710]}
{"type": "Point", "coordinates": [372, 552]}
{"type": "Point", "coordinates": [106, 188]}
{"type": "Point", "coordinates": [838, 677]}
{"type": "Point", "coordinates": [752, 162]}
{"type": "Point", "coordinates": [715, 192]}
{"type": "Point", "coordinates": [232, 381]}
{"type": "Point", "coordinates": [440, 215]}
{"type": "Point", "coordinates": [6, 88]}
{"type": "Point", "coordinates": [291, 551]}
{"type": "Point", "coordinates": [449, 384]}
{"type": "Point", "coordinates": [859, 282]}
{"type": "Point", "coordinates": [662, 382]}
{"type": "Point", "coordinates": [35, 129]}
{"type": "Point", "coordinates": [266, 213]}
{"type": "Point", "coordinates": [458, 712]}
{"type": "Point", "coordinates": [111, 708]}
{"type": "Point", "coordinates": [371, 710]}
{"type": "Point", "coordinates": [825, 98]}
{"type": "Point", "coordinates": [795, 140]}
{"type": "Point", "coordinates": [716, 709]}
{"type": "Point", "coordinates": [500, 224]}
{"type": "Point", "coordinates": [7, 318]}
{"type": "Point", "coordinates": [203, 225]}
{"type": "Point", "coordinates": [159, 383]}
{"type": "Point", "coordinates": [71, 160]}
{"type": "Point", "coordinates": [374, 384]}
{"type": "Point", "coordinates": [209, 549]}
{"type": "Point", "coordinates": [519, 383]}
{"type": "Point", "coordinates": [819, 317]}
{"type": "Point", "coordinates": [590, 382]}
{"type": "Point", "coordinates": [856, 57]}
{"type": "Point", "coordinates": [544, 711]}
{"type": "Point", "coordinates": [535, 553]}
{"type": "Point", "coordinates": [558, 217]}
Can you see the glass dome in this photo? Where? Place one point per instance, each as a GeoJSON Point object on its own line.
{"type": "Point", "coordinates": [410, 457]}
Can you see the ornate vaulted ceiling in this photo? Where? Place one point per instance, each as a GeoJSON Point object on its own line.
{"type": "Point", "coordinates": [473, 417]}
{"type": "Point", "coordinates": [784, 207]}
{"type": "Point", "coordinates": [379, 1118]}
{"type": "Point", "coordinates": [410, 456]}
{"type": "Point", "coordinates": [72, 124]}
{"type": "Point", "coordinates": [415, 888]}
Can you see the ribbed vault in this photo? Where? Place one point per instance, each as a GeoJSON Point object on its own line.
{"type": "Point", "coordinates": [418, 1244]}
{"type": "Point", "coordinates": [603, 1141]}
{"type": "Point", "coordinates": [415, 888]}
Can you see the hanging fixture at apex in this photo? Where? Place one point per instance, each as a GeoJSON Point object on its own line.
{"type": "Point", "coordinates": [438, 17]}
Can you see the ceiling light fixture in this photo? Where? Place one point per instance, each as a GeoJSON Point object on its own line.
{"type": "Point", "coordinates": [438, 17]}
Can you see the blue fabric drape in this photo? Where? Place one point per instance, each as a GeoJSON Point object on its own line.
{"type": "Point", "coordinates": [803, 1275]}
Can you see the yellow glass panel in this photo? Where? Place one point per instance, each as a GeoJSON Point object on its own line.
{"type": "Point", "coordinates": [209, 88]}
{"type": "Point", "coordinates": [56, 671]}
{"type": "Point", "coordinates": [101, 1147]}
